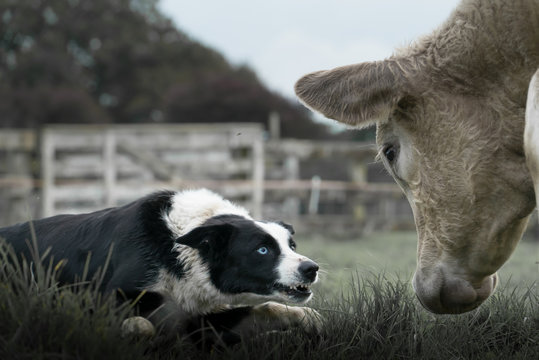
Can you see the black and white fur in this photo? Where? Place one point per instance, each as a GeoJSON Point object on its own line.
{"type": "Point", "coordinates": [192, 253]}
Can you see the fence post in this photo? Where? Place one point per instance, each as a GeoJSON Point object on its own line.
{"type": "Point", "coordinates": [47, 171]}
{"type": "Point", "coordinates": [109, 155]}
{"type": "Point", "coordinates": [258, 177]}
{"type": "Point", "coordinates": [314, 199]}
{"type": "Point", "coordinates": [292, 204]}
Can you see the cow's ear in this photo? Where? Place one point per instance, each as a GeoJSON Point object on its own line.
{"type": "Point", "coordinates": [207, 237]}
{"type": "Point", "coordinates": [357, 95]}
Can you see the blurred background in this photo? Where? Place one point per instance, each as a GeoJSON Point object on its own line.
{"type": "Point", "coordinates": [104, 101]}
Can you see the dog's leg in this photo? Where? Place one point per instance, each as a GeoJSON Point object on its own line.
{"type": "Point", "coordinates": [251, 321]}
{"type": "Point", "coordinates": [274, 316]}
{"type": "Point", "coordinates": [230, 325]}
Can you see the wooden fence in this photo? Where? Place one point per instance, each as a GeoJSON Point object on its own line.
{"type": "Point", "coordinates": [324, 186]}
{"type": "Point", "coordinates": [85, 168]}
{"type": "Point", "coordinates": [19, 198]}
{"type": "Point", "coordinates": [317, 186]}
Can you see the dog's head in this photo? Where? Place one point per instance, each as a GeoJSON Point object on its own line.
{"type": "Point", "coordinates": [253, 259]}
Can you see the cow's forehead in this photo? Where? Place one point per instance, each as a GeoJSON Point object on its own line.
{"type": "Point", "coordinates": [394, 129]}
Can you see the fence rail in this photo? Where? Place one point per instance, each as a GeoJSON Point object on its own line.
{"type": "Point", "coordinates": [90, 167]}
{"type": "Point", "coordinates": [83, 168]}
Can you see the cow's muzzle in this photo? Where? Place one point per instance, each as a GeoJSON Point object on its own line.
{"type": "Point", "coordinates": [443, 293]}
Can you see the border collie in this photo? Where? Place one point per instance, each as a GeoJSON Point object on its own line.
{"type": "Point", "coordinates": [187, 256]}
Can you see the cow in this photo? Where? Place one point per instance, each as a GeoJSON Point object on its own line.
{"type": "Point", "coordinates": [449, 114]}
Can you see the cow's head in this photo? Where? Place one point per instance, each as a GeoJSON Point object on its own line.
{"type": "Point", "coordinates": [452, 139]}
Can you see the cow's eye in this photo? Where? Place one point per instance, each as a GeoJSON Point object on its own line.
{"type": "Point", "coordinates": [262, 250]}
{"type": "Point", "coordinates": [390, 152]}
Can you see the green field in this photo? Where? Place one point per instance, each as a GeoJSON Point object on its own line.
{"type": "Point", "coordinates": [394, 255]}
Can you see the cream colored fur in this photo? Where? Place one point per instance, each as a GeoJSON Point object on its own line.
{"type": "Point", "coordinates": [454, 104]}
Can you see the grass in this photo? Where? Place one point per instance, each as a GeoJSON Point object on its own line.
{"type": "Point", "coordinates": [394, 253]}
{"type": "Point", "coordinates": [41, 320]}
{"type": "Point", "coordinates": [365, 298]}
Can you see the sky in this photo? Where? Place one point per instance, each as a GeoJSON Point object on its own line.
{"type": "Point", "coordinates": [285, 39]}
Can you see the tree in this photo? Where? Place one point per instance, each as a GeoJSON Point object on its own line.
{"type": "Point", "coordinates": [99, 61]}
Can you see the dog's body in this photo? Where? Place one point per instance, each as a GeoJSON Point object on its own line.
{"type": "Point", "coordinates": [190, 253]}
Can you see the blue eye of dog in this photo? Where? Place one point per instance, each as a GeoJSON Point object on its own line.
{"type": "Point", "coordinates": [262, 251]}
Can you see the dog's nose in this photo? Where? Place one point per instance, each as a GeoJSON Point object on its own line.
{"type": "Point", "coordinates": [308, 269]}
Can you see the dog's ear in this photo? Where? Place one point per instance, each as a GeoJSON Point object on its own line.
{"type": "Point", "coordinates": [207, 237]}
{"type": "Point", "coordinates": [288, 227]}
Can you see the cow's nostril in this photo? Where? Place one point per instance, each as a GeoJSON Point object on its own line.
{"type": "Point", "coordinates": [444, 293]}
{"type": "Point", "coordinates": [458, 294]}
{"type": "Point", "coordinates": [308, 269]}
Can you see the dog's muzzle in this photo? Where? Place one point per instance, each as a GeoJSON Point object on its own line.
{"type": "Point", "coordinates": [300, 290]}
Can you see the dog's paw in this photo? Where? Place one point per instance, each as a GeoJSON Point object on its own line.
{"type": "Point", "coordinates": [292, 316]}
{"type": "Point", "coordinates": [137, 327]}
{"type": "Point", "coordinates": [309, 319]}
